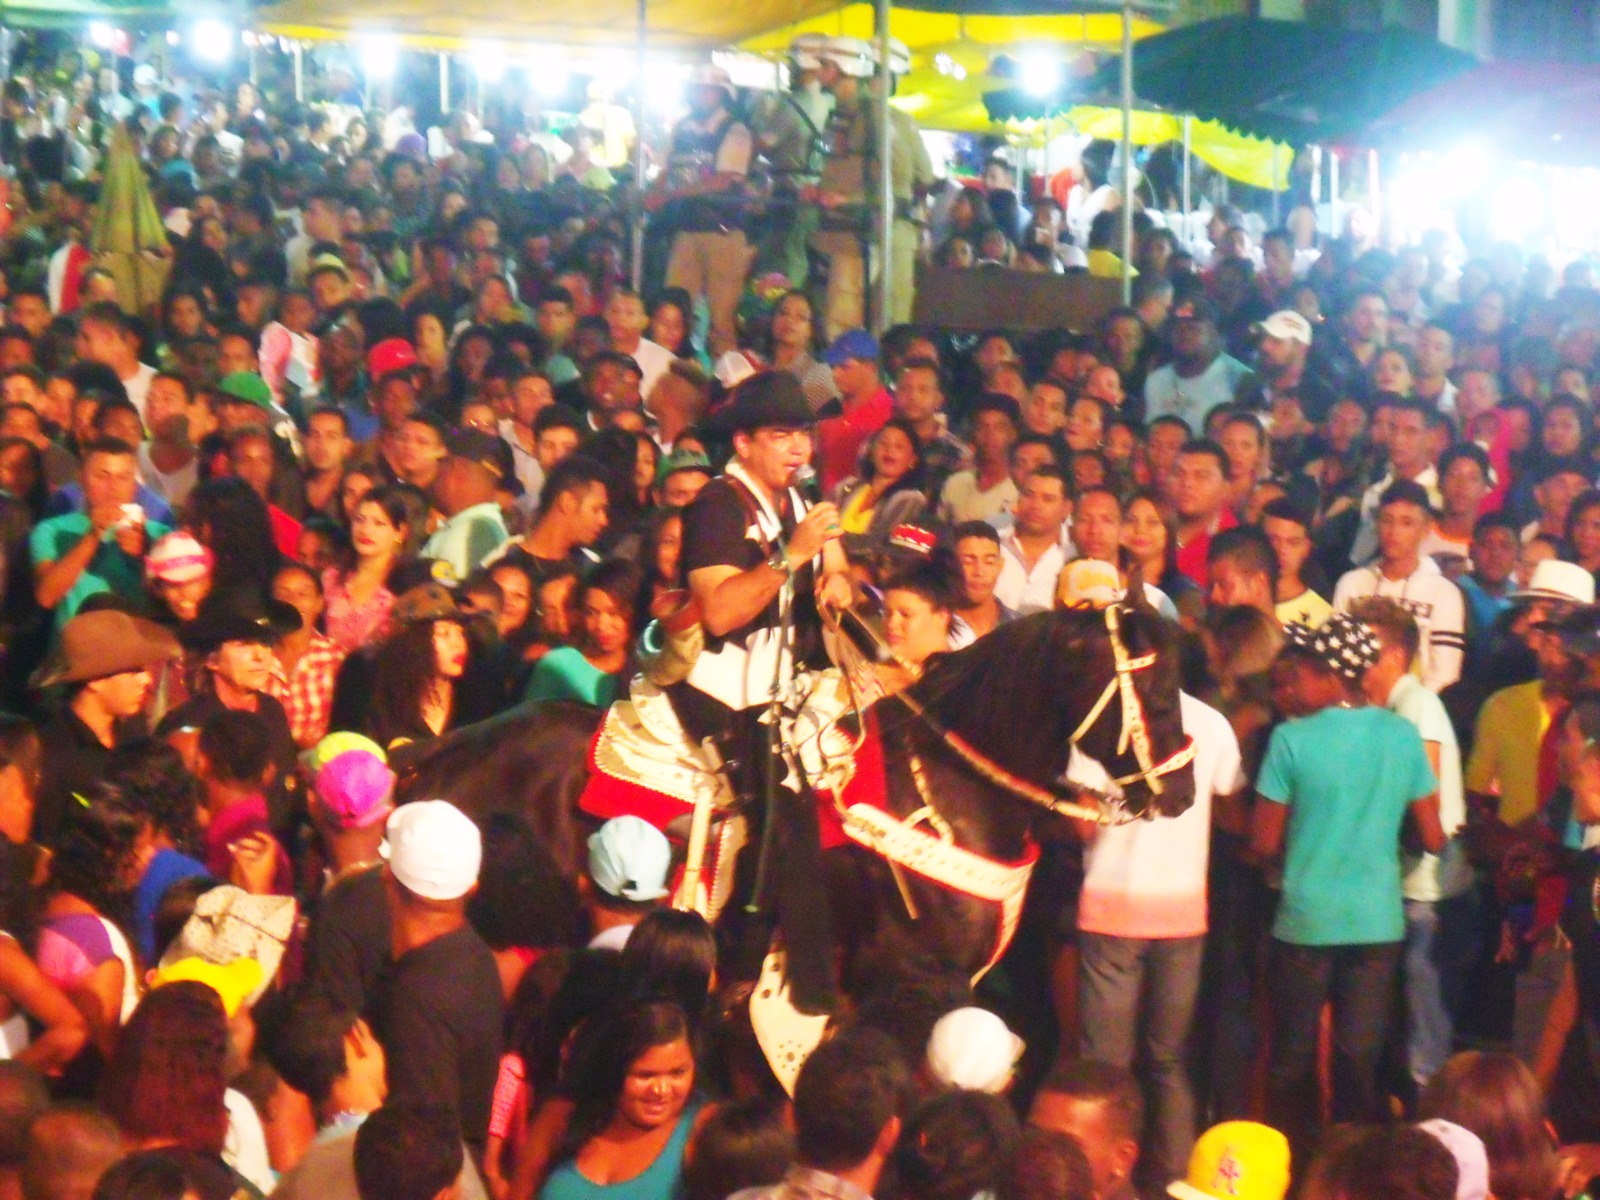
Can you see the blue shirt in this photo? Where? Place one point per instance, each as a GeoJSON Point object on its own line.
{"type": "Point", "coordinates": [660, 1180]}
{"type": "Point", "coordinates": [565, 674]}
{"type": "Point", "coordinates": [1483, 610]}
{"type": "Point", "coordinates": [1348, 776]}
{"type": "Point", "coordinates": [166, 868]}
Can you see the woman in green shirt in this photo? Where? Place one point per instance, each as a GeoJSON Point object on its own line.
{"type": "Point", "coordinates": [590, 670]}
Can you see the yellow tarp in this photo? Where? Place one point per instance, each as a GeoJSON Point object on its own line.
{"type": "Point", "coordinates": [454, 25]}
{"type": "Point", "coordinates": [1238, 156]}
{"type": "Point", "coordinates": [944, 99]}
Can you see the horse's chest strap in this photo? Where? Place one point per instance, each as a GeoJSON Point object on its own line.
{"type": "Point", "coordinates": [947, 864]}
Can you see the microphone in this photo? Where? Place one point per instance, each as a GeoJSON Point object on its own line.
{"type": "Point", "coordinates": [804, 481]}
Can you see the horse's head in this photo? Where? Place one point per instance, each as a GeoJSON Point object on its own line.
{"type": "Point", "coordinates": [1135, 727]}
{"type": "Point", "coordinates": [1024, 694]}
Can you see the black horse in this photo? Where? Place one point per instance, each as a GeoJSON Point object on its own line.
{"type": "Point", "coordinates": [981, 729]}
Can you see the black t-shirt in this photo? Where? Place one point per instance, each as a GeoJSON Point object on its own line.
{"type": "Point", "coordinates": [72, 760]}
{"type": "Point", "coordinates": [438, 1012]}
{"type": "Point", "coordinates": [347, 947]}
{"type": "Point", "coordinates": [716, 533]}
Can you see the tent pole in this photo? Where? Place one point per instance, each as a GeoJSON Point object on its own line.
{"type": "Point", "coordinates": [1374, 184]}
{"type": "Point", "coordinates": [1275, 152]}
{"type": "Point", "coordinates": [1316, 177]}
{"type": "Point", "coordinates": [444, 82]}
{"type": "Point", "coordinates": [1187, 201]}
{"type": "Point", "coordinates": [1333, 193]}
{"type": "Point", "coordinates": [1127, 151]}
{"type": "Point", "coordinates": [884, 148]}
{"type": "Point", "coordinates": [299, 73]}
{"type": "Point", "coordinates": [637, 232]}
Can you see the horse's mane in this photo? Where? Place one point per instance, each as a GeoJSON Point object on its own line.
{"type": "Point", "coordinates": [981, 691]}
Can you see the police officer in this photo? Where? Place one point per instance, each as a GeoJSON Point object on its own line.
{"type": "Point", "coordinates": [791, 129]}
{"type": "Point", "coordinates": [703, 194]}
{"type": "Point", "coordinates": [847, 191]}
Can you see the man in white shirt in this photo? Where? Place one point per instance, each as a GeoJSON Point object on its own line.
{"type": "Point", "coordinates": [1440, 904]}
{"type": "Point", "coordinates": [1200, 376]}
{"type": "Point", "coordinates": [1036, 547]}
{"type": "Point", "coordinates": [1436, 356]}
{"type": "Point", "coordinates": [627, 321]}
{"type": "Point", "coordinates": [106, 336]}
{"type": "Point", "coordinates": [1404, 574]}
{"type": "Point", "coordinates": [1142, 931]}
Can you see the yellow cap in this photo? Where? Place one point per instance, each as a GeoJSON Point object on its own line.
{"type": "Point", "coordinates": [1237, 1160]}
{"type": "Point", "coordinates": [233, 981]}
{"type": "Point", "coordinates": [1089, 581]}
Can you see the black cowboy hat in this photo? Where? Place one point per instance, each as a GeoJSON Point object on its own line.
{"type": "Point", "coordinates": [239, 615]}
{"type": "Point", "coordinates": [768, 400]}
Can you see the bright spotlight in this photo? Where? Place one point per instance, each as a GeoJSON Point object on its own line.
{"type": "Point", "coordinates": [488, 61]}
{"type": "Point", "coordinates": [380, 55]}
{"type": "Point", "coordinates": [101, 35]}
{"type": "Point", "coordinates": [663, 87]}
{"type": "Point", "coordinates": [549, 75]}
{"type": "Point", "coordinates": [1041, 76]}
{"type": "Point", "coordinates": [211, 40]}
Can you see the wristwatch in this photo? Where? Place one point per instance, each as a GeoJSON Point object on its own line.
{"type": "Point", "coordinates": [778, 560]}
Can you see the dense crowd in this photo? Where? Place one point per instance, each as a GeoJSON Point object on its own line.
{"type": "Point", "coordinates": [399, 450]}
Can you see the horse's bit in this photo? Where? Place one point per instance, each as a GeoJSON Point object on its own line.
{"type": "Point", "coordinates": [1135, 728]}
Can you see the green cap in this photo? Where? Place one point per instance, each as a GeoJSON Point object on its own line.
{"type": "Point", "coordinates": [682, 460]}
{"type": "Point", "coordinates": [247, 387]}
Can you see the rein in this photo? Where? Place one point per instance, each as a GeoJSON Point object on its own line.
{"type": "Point", "coordinates": [1135, 729]}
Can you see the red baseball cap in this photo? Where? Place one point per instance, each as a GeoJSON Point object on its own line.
{"type": "Point", "coordinates": [391, 354]}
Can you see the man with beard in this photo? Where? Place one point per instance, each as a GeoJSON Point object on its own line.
{"type": "Point", "coordinates": [1200, 376]}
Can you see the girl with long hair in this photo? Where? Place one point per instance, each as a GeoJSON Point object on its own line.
{"type": "Point", "coordinates": [887, 493]}
{"type": "Point", "coordinates": [359, 596]}
{"type": "Point", "coordinates": [590, 671]}
{"type": "Point", "coordinates": [794, 340]}
{"type": "Point", "coordinates": [230, 519]}
{"type": "Point", "coordinates": [415, 677]}
{"type": "Point", "coordinates": [634, 1108]}
{"type": "Point", "coordinates": [82, 947]}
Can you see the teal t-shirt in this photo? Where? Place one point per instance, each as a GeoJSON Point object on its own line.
{"type": "Point", "coordinates": [110, 570]}
{"type": "Point", "coordinates": [1348, 775]}
{"type": "Point", "coordinates": [565, 674]}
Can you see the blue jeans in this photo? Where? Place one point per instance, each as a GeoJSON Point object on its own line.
{"type": "Point", "coordinates": [1136, 1002]}
{"type": "Point", "coordinates": [1359, 980]}
{"type": "Point", "coordinates": [1441, 946]}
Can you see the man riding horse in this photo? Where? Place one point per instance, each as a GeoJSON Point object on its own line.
{"type": "Point", "coordinates": [759, 560]}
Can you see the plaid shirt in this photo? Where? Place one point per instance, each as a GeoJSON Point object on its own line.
{"type": "Point", "coordinates": [307, 695]}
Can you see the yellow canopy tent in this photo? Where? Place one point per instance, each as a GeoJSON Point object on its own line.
{"type": "Point", "coordinates": [951, 52]}
{"type": "Point", "coordinates": [951, 57]}
{"type": "Point", "coordinates": [431, 25]}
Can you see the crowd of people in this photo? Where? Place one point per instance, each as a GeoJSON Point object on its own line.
{"type": "Point", "coordinates": [399, 450]}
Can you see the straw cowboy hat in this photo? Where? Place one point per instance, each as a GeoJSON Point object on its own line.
{"type": "Point", "coordinates": [107, 642]}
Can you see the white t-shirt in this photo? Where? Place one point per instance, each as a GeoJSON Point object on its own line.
{"type": "Point", "coordinates": [1147, 879]}
{"type": "Point", "coordinates": [960, 500]}
{"type": "Point", "coordinates": [1431, 877]}
{"type": "Point", "coordinates": [1432, 599]}
{"type": "Point", "coordinates": [654, 361]}
{"type": "Point", "coordinates": [138, 388]}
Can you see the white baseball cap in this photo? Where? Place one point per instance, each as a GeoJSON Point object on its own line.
{"type": "Point", "coordinates": [1472, 1160]}
{"type": "Point", "coordinates": [733, 368]}
{"type": "Point", "coordinates": [1288, 325]}
{"type": "Point", "coordinates": [971, 1049]}
{"type": "Point", "coordinates": [433, 849]}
